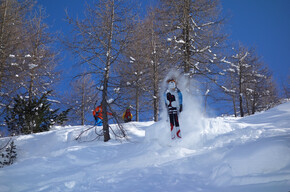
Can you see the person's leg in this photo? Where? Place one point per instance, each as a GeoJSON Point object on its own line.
{"type": "Point", "coordinates": [172, 127]}
{"type": "Point", "coordinates": [176, 123]}
{"type": "Point", "coordinates": [99, 122]}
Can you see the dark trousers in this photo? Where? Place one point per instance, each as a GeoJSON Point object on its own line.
{"type": "Point", "coordinates": [173, 118]}
{"type": "Point", "coordinates": [174, 124]}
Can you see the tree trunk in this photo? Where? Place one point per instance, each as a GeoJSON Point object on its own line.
{"type": "Point", "coordinates": [106, 131]}
{"type": "Point", "coordinates": [137, 103]}
{"type": "Point", "coordinates": [241, 105]}
{"type": "Point", "coordinates": [234, 104]}
{"type": "Point", "coordinates": [83, 101]}
{"type": "Point", "coordinates": [155, 100]}
{"type": "Point", "coordinates": [1, 44]}
{"type": "Point", "coordinates": [30, 95]}
{"type": "Point", "coordinates": [254, 104]}
{"type": "Point", "coordinates": [155, 76]}
{"type": "Point", "coordinates": [247, 104]}
{"type": "Point", "coordinates": [186, 36]}
{"type": "Point", "coordinates": [205, 103]}
{"type": "Point", "coordinates": [240, 95]}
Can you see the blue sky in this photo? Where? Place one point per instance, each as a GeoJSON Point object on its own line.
{"type": "Point", "coordinates": [263, 24]}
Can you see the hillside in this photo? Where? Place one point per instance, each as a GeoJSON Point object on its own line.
{"type": "Point", "coordinates": [218, 154]}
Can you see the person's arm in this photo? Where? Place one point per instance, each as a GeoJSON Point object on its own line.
{"type": "Point", "coordinates": [180, 100]}
{"type": "Point", "coordinates": [166, 99]}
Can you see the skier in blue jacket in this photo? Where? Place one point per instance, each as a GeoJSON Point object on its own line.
{"type": "Point", "coordinates": [173, 102]}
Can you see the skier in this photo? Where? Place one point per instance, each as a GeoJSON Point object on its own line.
{"type": "Point", "coordinates": [98, 115]}
{"type": "Point", "coordinates": [173, 102]}
{"type": "Point", "coordinates": [127, 115]}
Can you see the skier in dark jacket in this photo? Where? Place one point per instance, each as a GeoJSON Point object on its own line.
{"type": "Point", "coordinates": [173, 102]}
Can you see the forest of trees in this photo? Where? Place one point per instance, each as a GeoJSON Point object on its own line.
{"type": "Point", "coordinates": [123, 57]}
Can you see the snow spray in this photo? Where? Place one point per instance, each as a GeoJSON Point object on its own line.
{"type": "Point", "coordinates": [191, 119]}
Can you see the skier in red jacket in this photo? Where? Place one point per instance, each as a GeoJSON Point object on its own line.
{"type": "Point", "coordinates": [98, 115]}
{"type": "Point", "coordinates": [127, 115]}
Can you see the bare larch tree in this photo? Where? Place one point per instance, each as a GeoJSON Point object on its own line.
{"type": "Point", "coordinates": [99, 39]}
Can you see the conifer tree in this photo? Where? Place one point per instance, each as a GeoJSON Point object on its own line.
{"type": "Point", "coordinates": [9, 155]}
{"type": "Point", "coordinates": [33, 115]}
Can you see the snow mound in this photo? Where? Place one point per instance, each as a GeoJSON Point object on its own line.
{"type": "Point", "coordinates": [253, 150]}
{"type": "Point", "coordinates": [215, 154]}
{"type": "Point", "coordinates": [255, 162]}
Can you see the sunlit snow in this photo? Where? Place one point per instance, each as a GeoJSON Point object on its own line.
{"type": "Point", "coordinates": [215, 155]}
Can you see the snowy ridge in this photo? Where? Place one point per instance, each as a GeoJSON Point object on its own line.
{"type": "Point", "coordinates": [218, 154]}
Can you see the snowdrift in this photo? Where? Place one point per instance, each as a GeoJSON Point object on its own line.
{"type": "Point", "coordinates": [215, 154]}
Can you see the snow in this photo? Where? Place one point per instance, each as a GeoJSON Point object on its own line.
{"type": "Point", "coordinates": [260, 76]}
{"type": "Point", "coordinates": [207, 91]}
{"type": "Point", "coordinates": [243, 57]}
{"type": "Point", "coordinates": [215, 154]}
{"type": "Point", "coordinates": [206, 24]}
{"type": "Point", "coordinates": [205, 48]}
{"type": "Point", "coordinates": [52, 101]}
{"type": "Point", "coordinates": [117, 90]}
{"type": "Point", "coordinates": [231, 70]}
{"type": "Point", "coordinates": [249, 90]}
{"type": "Point", "coordinates": [31, 65]}
{"type": "Point", "coordinates": [100, 88]}
{"type": "Point", "coordinates": [180, 41]}
{"type": "Point", "coordinates": [226, 61]}
{"type": "Point", "coordinates": [227, 90]}
{"type": "Point", "coordinates": [111, 100]}
{"type": "Point", "coordinates": [195, 25]}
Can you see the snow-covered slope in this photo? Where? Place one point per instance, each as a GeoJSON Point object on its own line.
{"type": "Point", "coordinates": [219, 154]}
